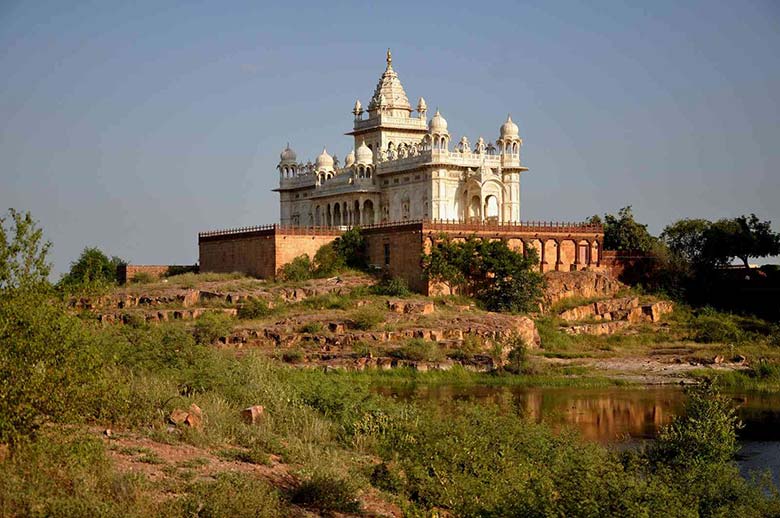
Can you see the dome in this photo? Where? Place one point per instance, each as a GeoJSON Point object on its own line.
{"type": "Point", "coordinates": [364, 154]}
{"type": "Point", "coordinates": [288, 155]}
{"type": "Point", "coordinates": [358, 107]}
{"type": "Point", "coordinates": [438, 124]}
{"type": "Point", "coordinates": [350, 159]}
{"type": "Point", "coordinates": [324, 161]}
{"type": "Point", "coordinates": [421, 106]}
{"type": "Point", "coordinates": [509, 129]}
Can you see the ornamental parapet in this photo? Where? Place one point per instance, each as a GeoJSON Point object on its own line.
{"type": "Point", "coordinates": [530, 228]}
{"type": "Point", "coordinates": [389, 121]}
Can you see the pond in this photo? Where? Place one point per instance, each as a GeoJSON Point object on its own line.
{"type": "Point", "coordinates": [621, 416]}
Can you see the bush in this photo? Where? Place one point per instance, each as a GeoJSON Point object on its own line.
{"type": "Point", "coordinates": [292, 356]}
{"type": "Point", "coordinates": [517, 359]}
{"type": "Point", "coordinates": [351, 247]}
{"type": "Point", "coordinates": [312, 328]}
{"type": "Point", "coordinates": [705, 434]}
{"type": "Point", "coordinates": [212, 326]}
{"type": "Point", "coordinates": [391, 287]}
{"type": "Point", "coordinates": [328, 261]}
{"type": "Point", "coordinates": [418, 349]}
{"type": "Point", "coordinates": [299, 269]}
{"type": "Point", "coordinates": [254, 308]}
{"type": "Point", "coordinates": [142, 278]}
{"type": "Point", "coordinates": [92, 266]}
{"type": "Point", "coordinates": [713, 327]}
{"type": "Point", "coordinates": [234, 495]}
{"type": "Point", "coordinates": [367, 318]}
{"type": "Point", "coordinates": [328, 301]}
{"type": "Point", "coordinates": [47, 361]}
{"type": "Point", "coordinates": [327, 494]}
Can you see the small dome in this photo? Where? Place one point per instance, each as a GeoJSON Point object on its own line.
{"type": "Point", "coordinates": [287, 154]}
{"type": "Point", "coordinates": [421, 106]}
{"type": "Point", "coordinates": [509, 129]}
{"type": "Point", "coordinates": [350, 159]}
{"type": "Point", "coordinates": [324, 161]}
{"type": "Point", "coordinates": [364, 154]}
{"type": "Point", "coordinates": [438, 124]}
{"type": "Point", "coordinates": [358, 107]}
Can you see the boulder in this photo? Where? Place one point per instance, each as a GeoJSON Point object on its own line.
{"type": "Point", "coordinates": [526, 330]}
{"type": "Point", "coordinates": [193, 417]}
{"type": "Point", "coordinates": [585, 284]}
{"type": "Point", "coordinates": [605, 328]}
{"type": "Point", "coordinates": [253, 414]}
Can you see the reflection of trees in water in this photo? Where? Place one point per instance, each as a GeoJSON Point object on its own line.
{"type": "Point", "coordinates": [602, 415]}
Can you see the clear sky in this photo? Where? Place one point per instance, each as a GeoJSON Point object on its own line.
{"type": "Point", "coordinates": [131, 126]}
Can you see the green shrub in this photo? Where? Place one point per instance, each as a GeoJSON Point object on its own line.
{"type": "Point", "coordinates": [212, 326]}
{"type": "Point", "coordinates": [328, 261]}
{"type": "Point", "coordinates": [234, 495]}
{"type": "Point", "coordinates": [292, 356]}
{"type": "Point", "coordinates": [311, 328]}
{"type": "Point", "coordinates": [713, 327]}
{"type": "Point", "coordinates": [328, 301]}
{"type": "Point", "coordinates": [299, 269]}
{"type": "Point", "coordinates": [327, 494]}
{"type": "Point", "coordinates": [142, 278]}
{"type": "Point", "coordinates": [367, 318]}
{"type": "Point", "coordinates": [351, 247]}
{"type": "Point", "coordinates": [417, 349]}
{"type": "Point", "coordinates": [254, 308]}
{"type": "Point", "coordinates": [391, 287]}
{"type": "Point", "coordinates": [48, 361]}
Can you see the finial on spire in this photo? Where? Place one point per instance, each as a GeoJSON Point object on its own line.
{"type": "Point", "coordinates": [389, 58]}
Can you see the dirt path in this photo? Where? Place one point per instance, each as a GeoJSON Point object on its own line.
{"type": "Point", "coordinates": [164, 463]}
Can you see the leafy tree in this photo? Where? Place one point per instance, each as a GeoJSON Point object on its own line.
{"type": "Point", "coordinates": [705, 434]}
{"type": "Point", "coordinates": [685, 238]}
{"type": "Point", "coordinates": [92, 267]}
{"type": "Point", "coordinates": [743, 237]}
{"type": "Point", "coordinates": [623, 232]}
{"type": "Point", "coordinates": [351, 246]}
{"type": "Point", "coordinates": [23, 262]}
{"type": "Point", "coordinates": [498, 277]}
{"type": "Point", "coordinates": [327, 261]}
{"type": "Point", "coordinates": [299, 269]}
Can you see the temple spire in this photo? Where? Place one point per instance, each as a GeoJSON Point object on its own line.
{"type": "Point", "coordinates": [389, 59]}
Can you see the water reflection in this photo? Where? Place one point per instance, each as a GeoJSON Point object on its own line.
{"type": "Point", "coordinates": [622, 416]}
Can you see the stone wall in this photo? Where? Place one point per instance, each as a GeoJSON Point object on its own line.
{"type": "Point", "coordinates": [404, 244]}
{"type": "Point", "coordinates": [288, 247]}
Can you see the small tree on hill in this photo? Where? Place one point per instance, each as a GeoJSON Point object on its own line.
{"type": "Point", "coordinates": [743, 237]}
{"type": "Point", "coordinates": [498, 277]}
{"type": "Point", "coordinates": [623, 232]}
{"type": "Point", "coordinates": [351, 246]}
{"type": "Point", "coordinates": [685, 238]}
{"type": "Point", "coordinates": [23, 262]}
{"type": "Point", "coordinates": [92, 267]}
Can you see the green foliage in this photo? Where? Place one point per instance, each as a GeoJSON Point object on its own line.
{"type": "Point", "coordinates": [69, 476]}
{"type": "Point", "coordinates": [92, 267]}
{"type": "Point", "coordinates": [23, 253]}
{"type": "Point", "coordinates": [705, 434]}
{"type": "Point", "coordinates": [292, 356]}
{"type": "Point", "coordinates": [417, 349]}
{"type": "Point", "coordinates": [391, 287]}
{"type": "Point", "coordinates": [517, 358]}
{"type": "Point", "coordinates": [328, 301]}
{"type": "Point", "coordinates": [710, 326]}
{"type": "Point", "coordinates": [327, 494]}
{"type": "Point", "coordinates": [211, 326]}
{"type": "Point", "coordinates": [743, 237]}
{"type": "Point", "coordinates": [254, 308]}
{"type": "Point", "coordinates": [623, 232]}
{"type": "Point", "coordinates": [234, 495]}
{"type": "Point", "coordinates": [176, 269]}
{"type": "Point", "coordinates": [311, 327]}
{"type": "Point", "coordinates": [367, 318]}
{"type": "Point", "coordinates": [351, 247]}
{"type": "Point", "coordinates": [498, 277]}
{"type": "Point", "coordinates": [142, 278]}
{"type": "Point", "coordinates": [47, 361]}
{"type": "Point", "coordinates": [299, 269]}
{"type": "Point", "coordinates": [328, 261]}
{"type": "Point", "coordinates": [685, 238]}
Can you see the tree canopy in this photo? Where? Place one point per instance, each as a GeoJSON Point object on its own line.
{"type": "Point", "coordinates": [93, 266]}
{"type": "Point", "coordinates": [498, 277]}
{"type": "Point", "coordinates": [23, 252]}
{"type": "Point", "coordinates": [623, 232]}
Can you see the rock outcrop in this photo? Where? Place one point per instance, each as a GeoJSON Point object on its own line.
{"type": "Point", "coordinates": [585, 284]}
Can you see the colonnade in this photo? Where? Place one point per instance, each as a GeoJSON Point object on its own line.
{"type": "Point", "coordinates": [345, 213]}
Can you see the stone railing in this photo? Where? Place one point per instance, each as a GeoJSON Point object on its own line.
{"type": "Point", "coordinates": [396, 122]}
{"type": "Point", "coordinates": [546, 227]}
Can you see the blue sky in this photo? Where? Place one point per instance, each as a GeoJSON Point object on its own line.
{"type": "Point", "coordinates": [131, 126]}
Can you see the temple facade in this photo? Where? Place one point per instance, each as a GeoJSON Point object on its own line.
{"type": "Point", "coordinates": [403, 168]}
